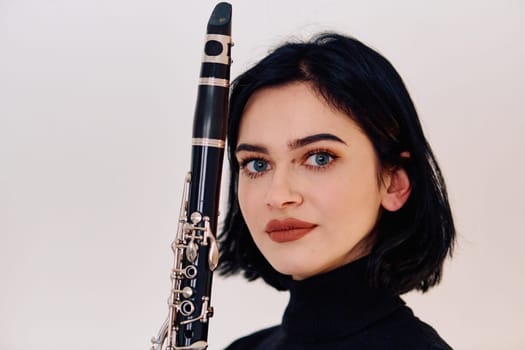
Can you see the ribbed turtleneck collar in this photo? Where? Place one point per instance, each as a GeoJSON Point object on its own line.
{"type": "Point", "coordinates": [335, 304]}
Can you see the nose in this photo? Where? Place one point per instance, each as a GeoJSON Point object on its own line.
{"type": "Point", "coordinates": [283, 191]}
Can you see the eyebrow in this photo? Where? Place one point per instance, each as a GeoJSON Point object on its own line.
{"type": "Point", "coordinates": [298, 143]}
{"type": "Point", "coordinates": [292, 145]}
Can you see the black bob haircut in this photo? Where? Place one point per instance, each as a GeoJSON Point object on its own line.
{"type": "Point", "coordinates": [411, 243]}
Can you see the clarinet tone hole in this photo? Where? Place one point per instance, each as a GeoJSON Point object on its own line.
{"type": "Point", "coordinates": [190, 272]}
{"type": "Point", "coordinates": [187, 308]}
{"type": "Point", "coordinates": [188, 333]}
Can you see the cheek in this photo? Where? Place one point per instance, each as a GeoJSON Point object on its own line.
{"type": "Point", "coordinates": [353, 200]}
{"type": "Point", "coordinates": [249, 200]}
{"type": "Point", "coordinates": [241, 195]}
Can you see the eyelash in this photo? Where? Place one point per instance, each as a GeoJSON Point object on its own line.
{"type": "Point", "coordinates": [324, 151]}
{"type": "Point", "coordinates": [243, 163]}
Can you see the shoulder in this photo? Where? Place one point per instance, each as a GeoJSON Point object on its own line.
{"type": "Point", "coordinates": [405, 331]}
{"type": "Point", "coordinates": [258, 340]}
{"type": "Point", "coordinates": [400, 331]}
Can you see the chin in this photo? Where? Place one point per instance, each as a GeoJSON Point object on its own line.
{"type": "Point", "coordinates": [297, 270]}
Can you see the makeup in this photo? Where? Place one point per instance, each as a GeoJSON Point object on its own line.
{"type": "Point", "coordinates": [288, 230]}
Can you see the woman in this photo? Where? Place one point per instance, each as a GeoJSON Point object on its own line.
{"type": "Point", "coordinates": [335, 195]}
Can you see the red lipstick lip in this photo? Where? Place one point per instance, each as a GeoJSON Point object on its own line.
{"type": "Point", "coordinates": [288, 230]}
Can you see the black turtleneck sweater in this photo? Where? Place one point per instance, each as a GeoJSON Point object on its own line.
{"type": "Point", "coordinates": [338, 311]}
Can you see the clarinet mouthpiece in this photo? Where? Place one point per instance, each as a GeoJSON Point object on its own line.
{"type": "Point", "coordinates": [221, 19]}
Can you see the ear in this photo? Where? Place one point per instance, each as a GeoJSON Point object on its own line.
{"type": "Point", "coordinates": [397, 189]}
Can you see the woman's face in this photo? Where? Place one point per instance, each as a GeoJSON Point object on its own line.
{"type": "Point", "coordinates": [308, 185]}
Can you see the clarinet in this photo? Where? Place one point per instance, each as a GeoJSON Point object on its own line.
{"type": "Point", "coordinates": [195, 247]}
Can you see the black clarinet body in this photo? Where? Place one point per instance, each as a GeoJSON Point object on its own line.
{"type": "Point", "coordinates": [195, 247]}
{"type": "Point", "coordinates": [209, 134]}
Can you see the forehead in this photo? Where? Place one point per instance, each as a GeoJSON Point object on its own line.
{"type": "Point", "coordinates": [291, 111]}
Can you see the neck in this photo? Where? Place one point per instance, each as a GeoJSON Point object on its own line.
{"type": "Point", "coordinates": [335, 303]}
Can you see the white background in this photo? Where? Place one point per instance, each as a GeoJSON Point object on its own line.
{"type": "Point", "coordinates": [96, 106]}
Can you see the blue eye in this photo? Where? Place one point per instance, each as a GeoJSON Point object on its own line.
{"type": "Point", "coordinates": [319, 159]}
{"type": "Point", "coordinates": [256, 165]}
